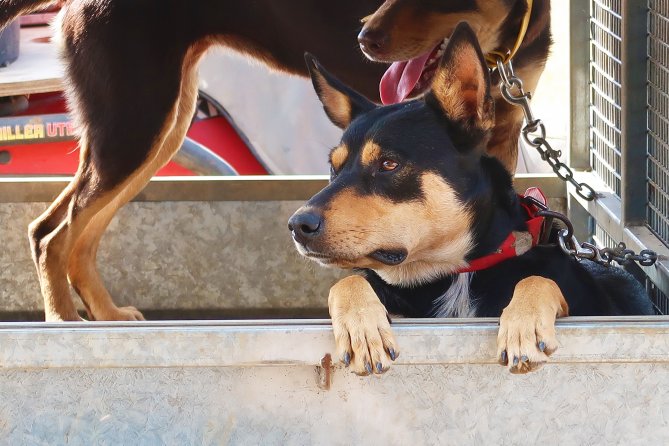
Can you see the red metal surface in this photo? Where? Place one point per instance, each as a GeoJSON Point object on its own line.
{"type": "Point", "coordinates": [61, 158]}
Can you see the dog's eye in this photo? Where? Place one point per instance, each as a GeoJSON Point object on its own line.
{"type": "Point", "coordinates": [387, 165]}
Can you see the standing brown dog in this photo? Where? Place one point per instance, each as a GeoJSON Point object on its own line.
{"type": "Point", "coordinates": [413, 34]}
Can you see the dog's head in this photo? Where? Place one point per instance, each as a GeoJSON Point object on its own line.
{"type": "Point", "coordinates": [412, 35]}
{"type": "Point", "coordinates": [404, 176]}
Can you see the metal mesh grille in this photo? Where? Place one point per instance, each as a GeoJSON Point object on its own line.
{"type": "Point", "coordinates": [660, 300]}
{"type": "Point", "coordinates": [605, 75]}
{"type": "Point", "coordinates": [658, 117]}
{"type": "Point", "coordinates": [602, 239]}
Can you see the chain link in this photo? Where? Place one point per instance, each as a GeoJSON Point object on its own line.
{"type": "Point", "coordinates": [570, 245]}
{"type": "Point", "coordinates": [534, 134]}
{"type": "Point", "coordinates": [510, 83]}
{"type": "Point", "coordinates": [604, 256]}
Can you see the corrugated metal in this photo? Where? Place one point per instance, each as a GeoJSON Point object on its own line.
{"type": "Point", "coordinates": [605, 90]}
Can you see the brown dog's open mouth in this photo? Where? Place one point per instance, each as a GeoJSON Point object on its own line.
{"type": "Point", "coordinates": [410, 78]}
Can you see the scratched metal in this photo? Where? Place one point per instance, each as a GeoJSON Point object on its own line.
{"type": "Point", "coordinates": [181, 255]}
{"type": "Point", "coordinates": [256, 383]}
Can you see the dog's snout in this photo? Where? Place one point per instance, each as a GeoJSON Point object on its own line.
{"type": "Point", "coordinates": [373, 41]}
{"type": "Point", "coordinates": [305, 224]}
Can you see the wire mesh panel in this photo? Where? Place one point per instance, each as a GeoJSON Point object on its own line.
{"type": "Point", "coordinates": [602, 239]}
{"type": "Point", "coordinates": [658, 117]}
{"type": "Point", "coordinates": [660, 300]}
{"type": "Point", "coordinates": [605, 90]}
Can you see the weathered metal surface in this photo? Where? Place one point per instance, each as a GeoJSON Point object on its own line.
{"type": "Point", "coordinates": [241, 188]}
{"type": "Point", "coordinates": [258, 384]}
{"type": "Point", "coordinates": [304, 342]}
{"type": "Point", "coordinates": [226, 255]}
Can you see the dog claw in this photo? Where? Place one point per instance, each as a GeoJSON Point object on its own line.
{"type": "Point", "coordinates": [368, 367]}
{"type": "Point", "coordinates": [379, 367]}
{"type": "Point", "coordinates": [542, 346]}
{"type": "Point", "coordinates": [347, 359]}
{"type": "Point", "coordinates": [524, 358]}
{"type": "Point", "coordinates": [392, 354]}
{"type": "Point", "coordinates": [515, 361]}
{"type": "Point", "coordinates": [504, 357]}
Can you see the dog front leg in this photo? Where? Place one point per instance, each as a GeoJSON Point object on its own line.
{"type": "Point", "coordinates": [361, 327]}
{"type": "Point", "coordinates": [527, 326]}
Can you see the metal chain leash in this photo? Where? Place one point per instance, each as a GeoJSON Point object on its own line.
{"type": "Point", "coordinates": [604, 256]}
{"type": "Point", "coordinates": [566, 238]}
{"type": "Point", "coordinates": [570, 245]}
{"type": "Point", "coordinates": [510, 83]}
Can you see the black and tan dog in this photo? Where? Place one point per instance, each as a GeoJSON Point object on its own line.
{"type": "Point", "coordinates": [414, 200]}
{"type": "Point", "coordinates": [413, 34]}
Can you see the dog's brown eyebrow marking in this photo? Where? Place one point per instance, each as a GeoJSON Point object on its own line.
{"type": "Point", "coordinates": [370, 153]}
{"type": "Point", "coordinates": [338, 156]}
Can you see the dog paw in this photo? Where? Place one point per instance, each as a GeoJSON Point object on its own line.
{"type": "Point", "coordinates": [121, 314]}
{"type": "Point", "coordinates": [364, 339]}
{"type": "Point", "coordinates": [526, 335]}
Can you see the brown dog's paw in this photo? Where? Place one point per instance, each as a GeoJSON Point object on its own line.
{"type": "Point", "coordinates": [121, 314]}
{"type": "Point", "coordinates": [526, 335]}
{"type": "Point", "coordinates": [363, 336]}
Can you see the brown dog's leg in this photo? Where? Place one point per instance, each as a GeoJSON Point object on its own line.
{"type": "Point", "coordinates": [527, 326]}
{"type": "Point", "coordinates": [131, 122]}
{"type": "Point", "coordinates": [82, 271]}
{"type": "Point", "coordinates": [361, 326]}
{"type": "Point", "coordinates": [57, 302]}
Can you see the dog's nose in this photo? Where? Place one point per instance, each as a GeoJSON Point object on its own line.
{"type": "Point", "coordinates": [305, 224]}
{"type": "Point", "coordinates": [373, 41]}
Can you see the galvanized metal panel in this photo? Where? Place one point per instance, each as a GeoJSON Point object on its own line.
{"type": "Point", "coordinates": [240, 188]}
{"type": "Point", "coordinates": [257, 384]}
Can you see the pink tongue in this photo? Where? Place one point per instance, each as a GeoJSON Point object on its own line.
{"type": "Point", "coordinates": [401, 78]}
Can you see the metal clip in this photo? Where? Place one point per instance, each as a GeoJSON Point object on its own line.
{"type": "Point", "coordinates": [509, 83]}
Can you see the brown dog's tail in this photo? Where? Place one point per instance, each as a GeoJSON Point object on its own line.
{"type": "Point", "coordinates": [11, 9]}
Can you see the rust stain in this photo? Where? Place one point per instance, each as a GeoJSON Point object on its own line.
{"type": "Point", "coordinates": [325, 372]}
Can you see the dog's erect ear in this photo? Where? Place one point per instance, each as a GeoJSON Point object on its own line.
{"type": "Point", "coordinates": [341, 103]}
{"type": "Point", "coordinates": [461, 83]}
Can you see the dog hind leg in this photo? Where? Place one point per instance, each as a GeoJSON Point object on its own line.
{"type": "Point", "coordinates": [58, 304]}
{"type": "Point", "coordinates": [82, 271]}
{"type": "Point", "coordinates": [65, 243]}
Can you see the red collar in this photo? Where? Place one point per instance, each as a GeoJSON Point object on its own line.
{"type": "Point", "coordinates": [517, 243]}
